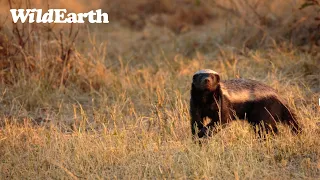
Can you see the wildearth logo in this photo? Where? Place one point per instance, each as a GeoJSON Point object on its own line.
{"type": "Point", "coordinates": [57, 16]}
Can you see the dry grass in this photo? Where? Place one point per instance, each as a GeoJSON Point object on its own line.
{"type": "Point", "coordinates": [116, 107]}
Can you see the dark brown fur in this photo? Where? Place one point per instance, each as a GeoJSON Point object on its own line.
{"type": "Point", "coordinates": [246, 99]}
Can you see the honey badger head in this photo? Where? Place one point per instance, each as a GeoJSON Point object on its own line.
{"type": "Point", "coordinates": [205, 80]}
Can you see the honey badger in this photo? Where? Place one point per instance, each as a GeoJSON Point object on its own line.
{"type": "Point", "coordinates": [223, 101]}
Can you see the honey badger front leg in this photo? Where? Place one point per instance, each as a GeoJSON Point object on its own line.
{"type": "Point", "coordinates": [198, 116]}
{"type": "Point", "coordinates": [196, 119]}
{"type": "Point", "coordinates": [211, 128]}
{"type": "Point", "coordinates": [218, 120]}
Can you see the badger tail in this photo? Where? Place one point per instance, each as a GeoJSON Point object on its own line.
{"type": "Point", "coordinates": [290, 118]}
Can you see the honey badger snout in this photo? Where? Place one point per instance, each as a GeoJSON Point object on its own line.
{"type": "Point", "coordinates": [207, 83]}
{"type": "Point", "coordinates": [206, 80]}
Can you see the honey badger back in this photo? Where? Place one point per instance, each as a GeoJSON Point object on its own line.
{"type": "Point", "coordinates": [238, 98]}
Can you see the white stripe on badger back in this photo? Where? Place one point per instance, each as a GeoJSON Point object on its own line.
{"type": "Point", "coordinates": [244, 95]}
{"type": "Point", "coordinates": [206, 71]}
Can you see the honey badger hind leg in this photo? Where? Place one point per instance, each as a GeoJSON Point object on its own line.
{"type": "Point", "coordinates": [263, 123]}
{"type": "Point", "coordinates": [268, 112]}
{"type": "Point", "coordinates": [264, 117]}
{"type": "Point", "coordinates": [290, 119]}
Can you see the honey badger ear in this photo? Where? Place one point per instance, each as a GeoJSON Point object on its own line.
{"type": "Point", "coordinates": [216, 78]}
{"type": "Point", "coordinates": [194, 77]}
